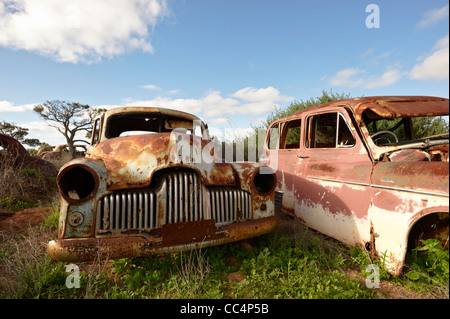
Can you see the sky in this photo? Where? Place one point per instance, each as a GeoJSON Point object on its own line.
{"type": "Point", "coordinates": [229, 62]}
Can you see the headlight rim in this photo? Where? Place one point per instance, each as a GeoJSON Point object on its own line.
{"type": "Point", "coordinates": [65, 170]}
{"type": "Point", "coordinates": [261, 192]}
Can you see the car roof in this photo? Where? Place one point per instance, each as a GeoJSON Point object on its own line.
{"type": "Point", "coordinates": [385, 106]}
{"type": "Point", "coordinates": [146, 109]}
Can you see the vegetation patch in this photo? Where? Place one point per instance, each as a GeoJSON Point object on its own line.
{"type": "Point", "coordinates": [297, 263]}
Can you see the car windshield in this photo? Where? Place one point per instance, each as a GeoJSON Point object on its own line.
{"type": "Point", "coordinates": [145, 122]}
{"type": "Point", "coordinates": [406, 130]}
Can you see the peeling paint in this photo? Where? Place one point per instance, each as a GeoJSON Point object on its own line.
{"type": "Point", "coordinates": [358, 192]}
{"type": "Point", "coordinates": [158, 191]}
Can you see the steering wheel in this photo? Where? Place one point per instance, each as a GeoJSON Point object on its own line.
{"type": "Point", "coordinates": [384, 132]}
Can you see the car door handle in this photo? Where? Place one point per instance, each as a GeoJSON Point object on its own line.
{"type": "Point", "coordinates": [302, 156]}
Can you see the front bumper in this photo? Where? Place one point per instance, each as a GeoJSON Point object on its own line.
{"type": "Point", "coordinates": [83, 249]}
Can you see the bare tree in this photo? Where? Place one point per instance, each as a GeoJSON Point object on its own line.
{"type": "Point", "coordinates": [68, 118]}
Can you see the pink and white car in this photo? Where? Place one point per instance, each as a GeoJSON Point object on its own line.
{"type": "Point", "coordinates": [357, 171]}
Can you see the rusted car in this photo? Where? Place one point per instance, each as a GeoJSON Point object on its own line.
{"type": "Point", "coordinates": [13, 153]}
{"type": "Point", "coordinates": [151, 183]}
{"type": "Point", "coordinates": [56, 152]}
{"type": "Point", "coordinates": [360, 171]}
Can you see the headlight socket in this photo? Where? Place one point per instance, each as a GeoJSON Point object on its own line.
{"type": "Point", "coordinates": [77, 183]}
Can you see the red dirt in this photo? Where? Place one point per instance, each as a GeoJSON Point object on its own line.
{"type": "Point", "coordinates": [20, 221]}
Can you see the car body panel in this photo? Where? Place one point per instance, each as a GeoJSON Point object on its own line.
{"type": "Point", "coordinates": [346, 186]}
{"type": "Point", "coordinates": [156, 192]}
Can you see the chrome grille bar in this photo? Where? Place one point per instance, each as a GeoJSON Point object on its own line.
{"type": "Point", "coordinates": [181, 197]}
{"type": "Point", "coordinates": [123, 211]}
{"type": "Point", "coordinates": [229, 205]}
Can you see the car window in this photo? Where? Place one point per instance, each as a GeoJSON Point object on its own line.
{"type": "Point", "coordinates": [291, 135]}
{"type": "Point", "coordinates": [329, 130]}
{"type": "Point", "coordinates": [145, 122]}
{"type": "Point", "coordinates": [95, 132]}
{"type": "Point", "coordinates": [274, 137]}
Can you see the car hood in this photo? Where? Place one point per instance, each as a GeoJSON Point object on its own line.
{"type": "Point", "coordinates": [130, 161]}
{"type": "Point", "coordinates": [416, 151]}
{"type": "Point", "coordinates": [423, 176]}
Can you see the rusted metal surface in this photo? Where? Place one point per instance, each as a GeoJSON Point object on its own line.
{"type": "Point", "coordinates": [385, 106]}
{"type": "Point", "coordinates": [55, 152]}
{"type": "Point", "coordinates": [15, 154]}
{"type": "Point", "coordinates": [161, 190]}
{"type": "Point", "coordinates": [81, 249]}
{"type": "Point", "coordinates": [360, 193]}
{"type": "Point", "coordinates": [188, 232]}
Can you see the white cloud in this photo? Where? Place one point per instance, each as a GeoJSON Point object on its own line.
{"type": "Point", "coordinates": [6, 106]}
{"type": "Point", "coordinates": [214, 104]}
{"type": "Point", "coordinates": [219, 121]}
{"type": "Point", "coordinates": [151, 87]}
{"type": "Point", "coordinates": [229, 134]}
{"type": "Point", "coordinates": [48, 134]}
{"type": "Point", "coordinates": [350, 77]}
{"type": "Point", "coordinates": [436, 65]}
{"type": "Point", "coordinates": [386, 79]}
{"type": "Point", "coordinates": [252, 94]}
{"type": "Point", "coordinates": [432, 17]}
{"type": "Point", "coordinates": [81, 31]}
{"type": "Point", "coordinates": [186, 105]}
{"type": "Point", "coordinates": [43, 132]}
{"type": "Point", "coordinates": [353, 77]}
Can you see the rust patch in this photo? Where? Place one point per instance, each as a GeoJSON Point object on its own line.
{"type": "Point", "coordinates": [409, 156]}
{"type": "Point", "coordinates": [188, 232]}
{"type": "Point", "coordinates": [322, 168]}
{"type": "Point", "coordinates": [123, 247]}
{"type": "Point", "coordinates": [426, 176]}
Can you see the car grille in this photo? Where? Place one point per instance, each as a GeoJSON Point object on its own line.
{"type": "Point", "coordinates": [178, 198]}
{"type": "Point", "coordinates": [230, 205]}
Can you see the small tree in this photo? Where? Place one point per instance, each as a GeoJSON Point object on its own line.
{"type": "Point", "coordinates": [297, 106]}
{"type": "Point", "coordinates": [68, 118]}
{"type": "Point", "coordinates": [293, 107]}
{"type": "Point", "coordinates": [18, 133]}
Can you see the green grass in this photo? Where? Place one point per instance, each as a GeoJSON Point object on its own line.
{"type": "Point", "coordinates": [296, 265]}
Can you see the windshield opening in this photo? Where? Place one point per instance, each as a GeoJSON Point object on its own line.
{"type": "Point", "coordinates": [405, 130]}
{"type": "Point", "coordinates": [144, 123]}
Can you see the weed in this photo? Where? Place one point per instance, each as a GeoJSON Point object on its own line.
{"type": "Point", "coordinates": [428, 267]}
{"type": "Point", "coordinates": [30, 172]}
{"type": "Point", "coordinates": [15, 204]}
{"type": "Point", "coordinates": [302, 264]}
{"type": "Point", "coordinates": [52, 220]}
{"type": "Point", "coordinates": [27, 272]}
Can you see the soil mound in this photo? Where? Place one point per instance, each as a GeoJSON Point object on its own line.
{"type": "Point", "coordinates": [20, 221]}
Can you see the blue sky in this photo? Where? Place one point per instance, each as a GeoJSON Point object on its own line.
{"type": "Point", "coordinates": [229, 62]}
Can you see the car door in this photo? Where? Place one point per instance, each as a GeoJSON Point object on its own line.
{"type": "Point", "coordinates": [332, 178]}
{"type": "Point", "coordinates": [283, 146]}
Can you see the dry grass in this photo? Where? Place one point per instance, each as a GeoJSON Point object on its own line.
{"type": "Point", "coordinates": [192, 272]}
{"type": "Point", "coordinates": [23, 188]}
{"type": "Point", "coordinates": [25, 267]}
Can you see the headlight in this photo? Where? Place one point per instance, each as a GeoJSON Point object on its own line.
{"type": "Point", "coordinates": [264, 183]}
{"type": "Point", "coordinates": [75, 219]}
{"type": "Point", "coordinates": [77, 183]}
